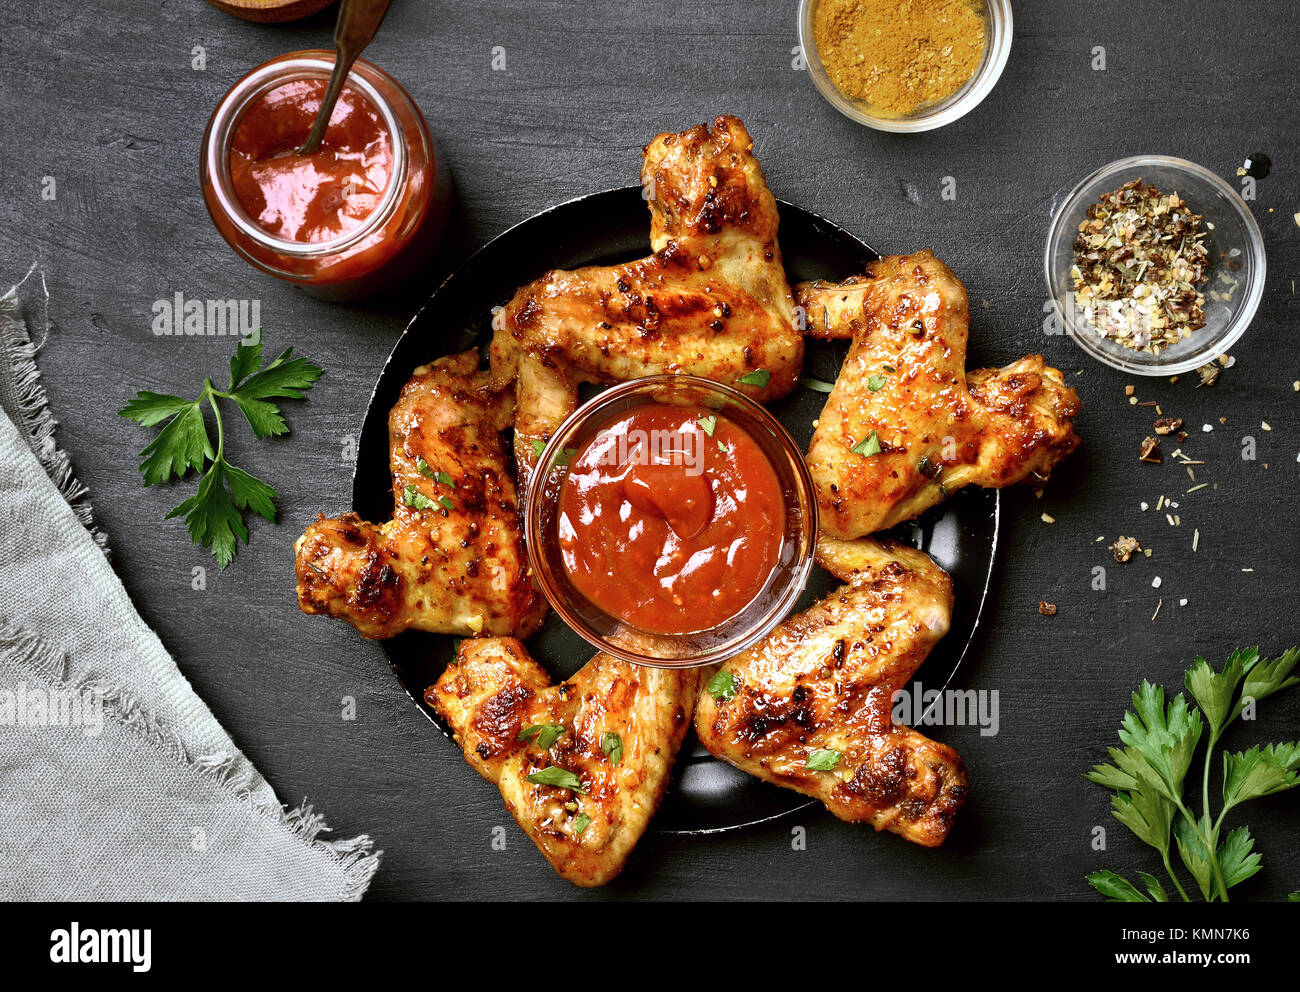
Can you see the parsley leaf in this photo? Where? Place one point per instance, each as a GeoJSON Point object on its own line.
{"type": "Point", "coordinates": [759, 378]}
{"type": "Point", "coordinates": [538, 446]}
{"type": "Point", "coordinates": [580, 823]}
{"type": "Point", "coordinates": [559, 777]}
{"type": "Point", "coordinates": [1269, 677]}
{"type": "Point", "coordinates": [722, 687]}
{"type": "Point", "coordinates": [869, 445]}
{"type": "Point", "coordinates": [876, 382]}
{"type": "Point", "coordinates": [1260, 772]}
{"type": "Point", "coordinates": [1213, 691]}
{"type": "Point", "coordinates": [612, 745]}
{"type": "Point", "coordinates": [1115, 887]}
{"type": "Point", "coordinates": [542, 734]}
{"type": "Point", "coordinates": [214, 515]}
{"type": "Point", "coordinates": [708, 424]}
{"type": "Point", "coordinates": [823, 759]}
{"type": "Point", "coordinates": [1237, 857]}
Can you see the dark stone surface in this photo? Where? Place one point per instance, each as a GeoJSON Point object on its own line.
{"type": "Point", "coordinates": [102, 97]}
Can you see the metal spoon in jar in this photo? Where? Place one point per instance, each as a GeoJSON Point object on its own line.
{"type": "Point", "coordinates": [358, 21]}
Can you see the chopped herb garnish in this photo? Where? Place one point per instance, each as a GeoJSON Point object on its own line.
{"type": "Point", "coordinates": [869, 445]}
{"type": "Point", "coordinates": [416, 500]}
{"type": "Point", "coordinates": [424, 468]}
{"type": "Point", "coordinates": [561, 457]}
{"type": "Point", "coordinates": [889, 368]}
{"type": "Point", "coordinates": [559, 777]}
{"type": "Point", "coordinates": [446, 502]}
{"type": "Point", "coordinates": [708, 424]}
{"type": "Point", "coordinates": [542, 734]}
{"type": "Point", "coordinates": [824, 759]}
{"type": "Point", "coordinates": [928, 468]}
{"type": "Point", "coordinates": [722, 686]}
{"type": "Point", "coordinates": [759, 378]}
{"type": "Point", "coordinates": [816, 385]}
{"type": "Point", "coordinates": [580, 823]}
{"type": "Point", "coordinates": [612, 745]}
{"type": "Point", "coordinates": [723, 448]}
{"type": "Point", "coordinates": [876, 383]}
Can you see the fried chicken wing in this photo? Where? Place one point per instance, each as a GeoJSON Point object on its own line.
{"type": "Point", "coordinates": [822, 684]}
{"type": "Point", "coordinates": [605, 741]}
{"type": "Point", "coordinates": [905, 423]}
{"type": "Point", "coordinates": [712, 300]}
{"type": "Point", "coordinates": [452, 560]}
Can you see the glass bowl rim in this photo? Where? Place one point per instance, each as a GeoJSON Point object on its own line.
{"type": "Point", "coordinates": [986, 77]}
{"type": "Point", "coordinates": [1241, 318]}
{"type": "Point", "coordinates": [804, 495]}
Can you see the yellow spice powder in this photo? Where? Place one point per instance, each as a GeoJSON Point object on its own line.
{"type": "Point", "coordinates": [899, 54]}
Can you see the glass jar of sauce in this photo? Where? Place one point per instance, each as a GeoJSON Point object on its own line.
{"type": "Point", "coordinates": [354, 219]}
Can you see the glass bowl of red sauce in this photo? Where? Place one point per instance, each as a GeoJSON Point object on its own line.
{"type": "Point", "coordinates": [671, 521]}
{"type": "Point", "coordinates": [353, 219]}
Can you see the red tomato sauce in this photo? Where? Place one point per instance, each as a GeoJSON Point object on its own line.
{"type": "Point", "coordinates": [671, 518]}
{"type": "Point", "coordinates": [316, 197]}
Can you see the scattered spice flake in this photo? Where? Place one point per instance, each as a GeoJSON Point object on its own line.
{"type": "Point", "coordinates": [1209, 374]}
{"type": "Point", "coordinates": [1145, 507]}
{"type": "Point", "coordinates": [1155, 583]}
{"type": "Point", "coordinates": [1182, 602]}
{"type": "Point", "coordinates": [1124, 548]}
{"type": "Point", "coordinates": [1206, 428]}
{"type": "Point", "coordinates": [1048, 519]}
{"type": "Point", "coordinates": [1167, 425]}
{"type": "Point", "coordinates": [1046, 609]}
{"type": "Point", "coordinates": [1157, 612]}
{"type": "Point", "coordinates": [1196, 539]}
{"type": "Point", "coordinates": [1129, 390]}
{"type": "Point", "coordinates": [1194, 488]}
{"type": "Point", "coordinates": [1150, 451]}
{"type": "Point", "coordinates": [1263, 425]}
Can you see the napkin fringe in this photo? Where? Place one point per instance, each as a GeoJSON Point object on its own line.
{"type": "Point", "coordinates": [36, 420]}
{"type": "Point", "coordinates": [356, 856]}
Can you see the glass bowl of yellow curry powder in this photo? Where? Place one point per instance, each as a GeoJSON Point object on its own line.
{"type": "Point", "coordinates": [905, 65]}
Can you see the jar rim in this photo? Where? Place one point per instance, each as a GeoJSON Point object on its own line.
{"type": "Point", "coordinates": [314, 64]}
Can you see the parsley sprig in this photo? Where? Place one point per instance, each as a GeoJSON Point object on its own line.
{"type": "Point", "coordinates": [214, 515]}
{"type": "Point", "coordinates": [1159, 744]}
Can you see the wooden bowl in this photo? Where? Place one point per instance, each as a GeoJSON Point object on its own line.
{"type": "Point", "coordinates": [268, 11]}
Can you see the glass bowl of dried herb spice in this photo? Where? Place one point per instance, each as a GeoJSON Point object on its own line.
{"type": "Point", "coordinates": [1154, 265]}
{"type": "Point", "coordinates": [905, 65]}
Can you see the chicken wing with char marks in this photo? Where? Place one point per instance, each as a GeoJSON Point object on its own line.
{"type": "Point", "coordinates": [452, 559]}
{"type": "Point", "coordinates": [712, 300]}
{"type": "Point", "coordinates": [608, 737]}
{"type": "Point", "coordinates": [820, 689]}
{"type": "Point", "coordinates": [905, 423]}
